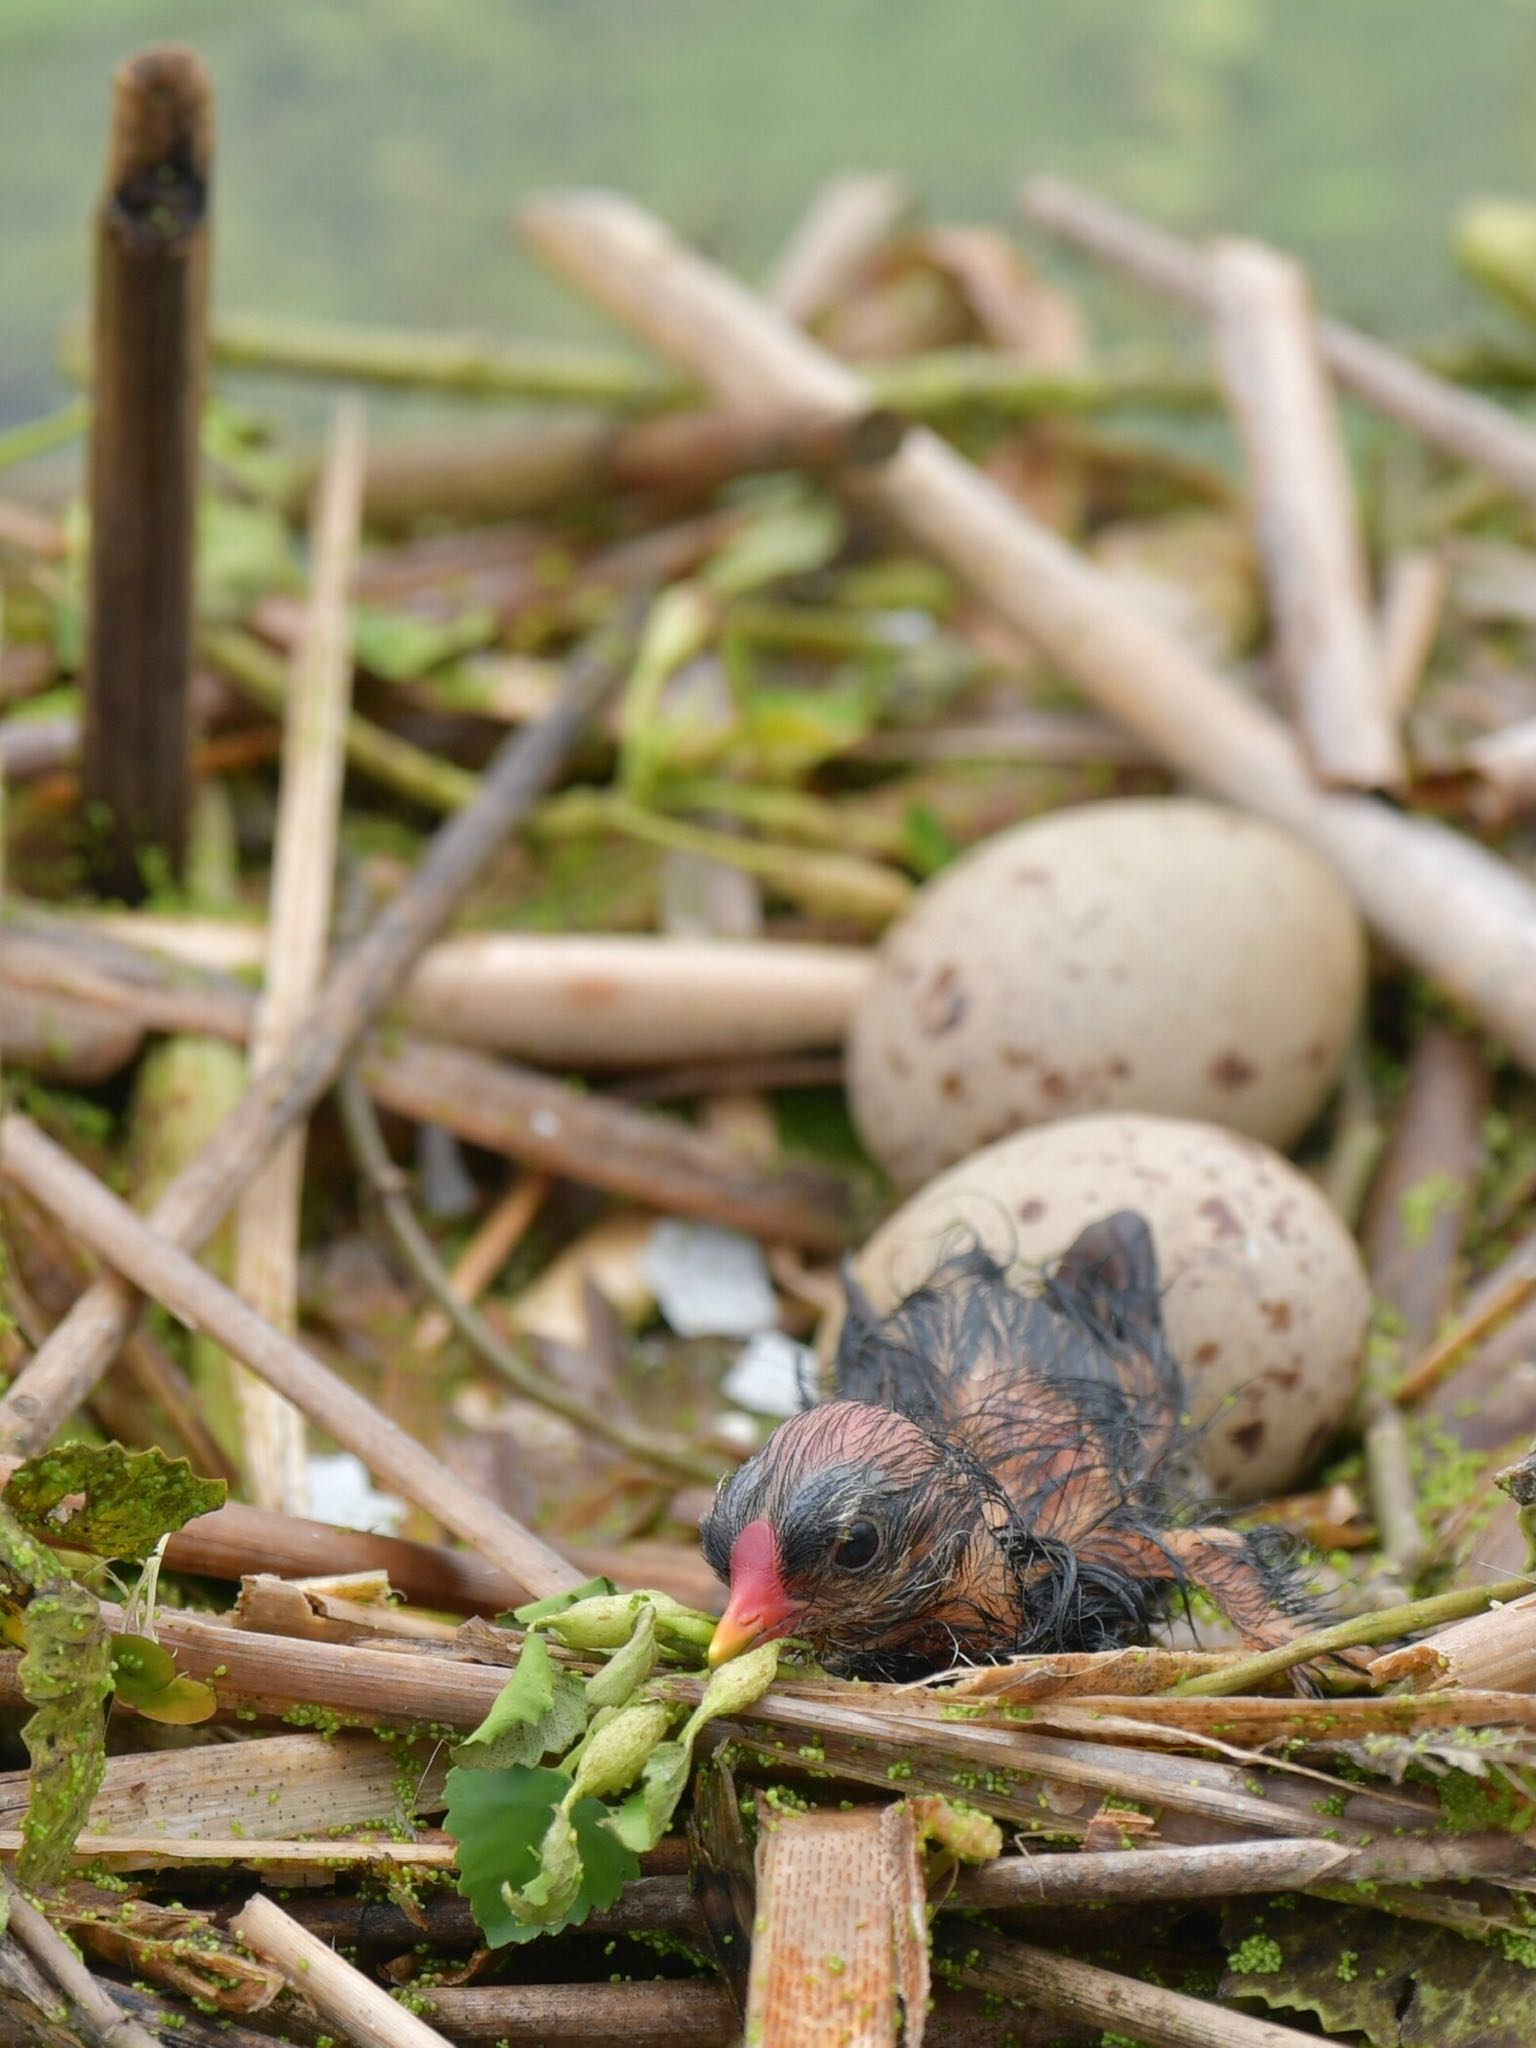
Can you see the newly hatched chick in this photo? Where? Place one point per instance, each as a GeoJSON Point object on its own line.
{"type": "Point", "coordinates": [996, 1476]}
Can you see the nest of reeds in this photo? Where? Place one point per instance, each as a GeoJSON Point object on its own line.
{"type": "Point", "coordinates": [743, 642]}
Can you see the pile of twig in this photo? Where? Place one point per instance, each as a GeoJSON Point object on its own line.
{"type": "Point", "coordinates": [652, 704]}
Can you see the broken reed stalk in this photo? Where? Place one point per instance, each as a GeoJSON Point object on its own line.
{"type": "Point", "coordinates": [608, 1144]}
{"type": "Point", "coordinates": [100, 2019]}
{"type": "Point", "coordinates": [171, 1276]}
{"type": "Point", "coordinates": [64, 1371]}
{"type": "Point", "coordinates": [1214, 1870]}
{"type": "Point", "coordinates": [1302, 496]}
{"type": "Point", "coordinates": [1459, 421]}
{"type": "Point", "coordinates": [494, 1240]}
{"type": "Point", "coordinates": [151, 287]}
{"type": "Point", "coordinates": [467, 364]}
{"type": "Point", "coordinates": [1507, 1288]}
{"type": "Point", "coordinates": [1415, 1224]}
{"type": "Point", "coordinates": [509, 472]}
{"type": "Point", "coordinates": [1455, 910]}
{"type": "Point", "coordinates": [1495, 1650]}
{"type": "Point", "coordinates": [303, 869]}
{"type": "Point", "coordinates": [1244, 1674]}
{"type": "Point", "coordinates": [363, 2010]}
{"type": "Point", "coordinates": [682, 2013]}
{"type": "Point", "coordinates": [845, 224]}
{"type": "Point", "coordinates": [1413, 596]}
{"type": "Point", "coordinates": [388, 1185]}
{"type": "Point", "coordinates": [598, 1139]}
{"type": "Point", "coordinates": [618, 1000]}
{"type": "Point", "coordinates": [1100, 1998]}
{"type": "Point", "coordinates": [1009, 382]}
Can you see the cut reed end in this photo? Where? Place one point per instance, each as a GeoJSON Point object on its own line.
{"type": "Point", "coordinates": [162, 129]}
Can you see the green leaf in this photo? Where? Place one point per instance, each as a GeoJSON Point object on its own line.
{"type": "Point", "coordinates": [538, 1711]}
{"type": "Point", "coordinates": [499, 1819]}
{"type": "Point", "coordinates": [181, 1704]}
{"type": "Point", "coordinates": [647, 1813]}
{"type": "Point", "coordinates": [400, 646]}
{"type": "Point", "coordinates": [66, 1674]}
{"type": "Point", "coordinates": [244, 552]}
{"type": "Point", "coordinates": [144, 1675]}
{"type": "Point", "coordinates": [628, 1667]}
{"type": "Point", "coordinates": [551, 1892]}
{"type": "Point", "coordinates": [502, 1820]}
{"type": "Point", "coordinates": [616, 1748]}
{"type": "Point", "coordinates": [107, 1500]}
{"type": "Point", "coordinates": [790, 731]}
{"type": "Point", "coordinates": [557, 1603]}
{"type": "Point", "coordinates": [929, 846]}
{"type": "Point", "coordinates": [607, 1622]}
{"type": "Point", "coordinates": [792, 537]}
{"type": "Point", "coordinates": [735, 1686]}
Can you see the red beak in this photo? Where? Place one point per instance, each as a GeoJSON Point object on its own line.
{"type": "Point", "coordinates": [759, 1608]}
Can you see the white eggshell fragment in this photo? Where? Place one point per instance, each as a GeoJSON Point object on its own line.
{"type": "Point", "coordinates": [1265, 1300]}
{"type": "Point", "coordinates": [1154, 954]}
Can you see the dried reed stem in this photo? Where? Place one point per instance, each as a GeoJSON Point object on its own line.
{"type": "Point", "coordinates": [1304, 512]}
{"type": "Point", "coordinates": [303, 867]}
{"type": "Point", "coordinates": [151, 287]}
{"type": "Point", "coordinates": [844, 225]}
{"type": "Point", "coordinates": [364, 2011]}
{"type": "Point", "coordinates": [1459, 421]}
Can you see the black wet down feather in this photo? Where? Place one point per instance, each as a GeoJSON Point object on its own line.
{"type": "Point", "coordinates": [1002, 1470]}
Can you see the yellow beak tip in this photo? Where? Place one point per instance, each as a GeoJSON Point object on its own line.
{"type": "Point", "coordinates": [729, 1640]}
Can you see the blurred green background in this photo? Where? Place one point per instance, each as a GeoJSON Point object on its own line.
{"type": "Point", "coordinates": [370, 150]}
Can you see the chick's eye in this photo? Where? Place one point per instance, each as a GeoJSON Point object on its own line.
{"type": "Point", "coordinates": [856, 1547]}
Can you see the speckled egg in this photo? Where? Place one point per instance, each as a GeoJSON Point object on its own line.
{"type": "Point", "coordinates": [1265, 1299]}
{"type": "Point", "coordinates": [1156, 954]}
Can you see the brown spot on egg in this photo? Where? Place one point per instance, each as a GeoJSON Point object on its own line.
{"type": "Point", "coordinates": [898, 1062]}
{"type": "Point", "coordinates": [1224, 1218]}
{"type": "Point", "coordinates": [953, 1088]}
{"type": "Point", "coordinates": [1249, 1438]}
{"type": "Point", "coordinates": [1278, 1314]}
{"type": "Point", "coordinates": [1031, 1211]}
{"type": "Point", "coordinates": [1207, 1353]}
{"type": "Point", "coordinates": [1018, 1056]}
{"type": "Point", "coordinates": [1055, 1087]}
{"type": "Point", "coordinates": [1231, 1070]}
{"type": "Point", "coordinates": [1285, 1376]}
{"type": "Point", "coordinates": [943, 1003]}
